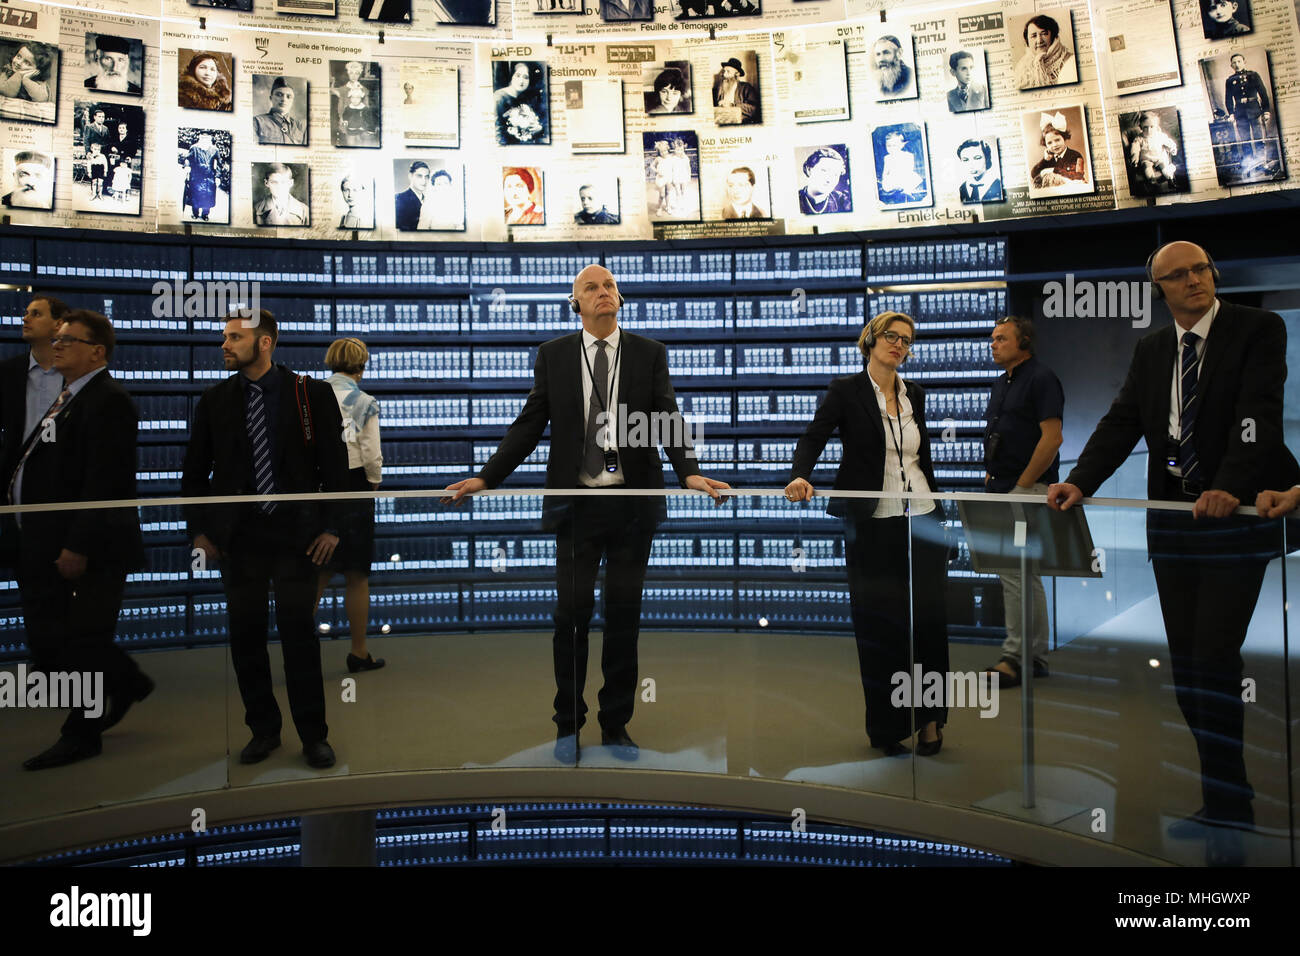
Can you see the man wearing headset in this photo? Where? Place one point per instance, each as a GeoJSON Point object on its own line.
{"type": "Point", "coordinates": [1021, 438]}
{"type": "Point", "coordinates": [1206, 393]}
{"type": "Point", "coordinates": [581, 381]}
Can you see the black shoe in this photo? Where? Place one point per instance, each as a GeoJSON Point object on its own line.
{"type": "Point", "coordinates": [1224, 848]}
{"type": "Point", "coordinates": [566, 749]}
{"type": "Point", "coordinates": [893, 749]}
{"type": "Point", "coordinates": [623, 747]}
{"type": "Point", "coordinates": [65, 751]}
{"type": "Point", "coordinates": [928, 748]}
{"type": "Point", "coordinates": [320, 754]}
{"type": "Point", "coordinates": [1040, 669]}
{"type": "Point", "coordinates": [119, 705]}
{"type": "Point", "coordinates": [259, 748]}
{"type": "Point", "coordinates": [1006, 681]}
{"type": "Point", "coordinates": [369, 664]}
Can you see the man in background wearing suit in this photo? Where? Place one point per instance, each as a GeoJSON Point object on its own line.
{"type": "Point", "coordinates": [268, 431]}
{"type": "Point", "coordinates": [407, 203]}
{"type": "Point", "coordinates": [73, 564]}
{"type": "Point", "coordinates": [576, 378]}
{"type": "Point", "coordinates": [1247, 101]}
{"type": "Point", "coordinates": [1206, 393]}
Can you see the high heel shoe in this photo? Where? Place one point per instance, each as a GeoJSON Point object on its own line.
{"type": "Point", "coordinates": [929, 748]}
{"type": "Point", "coordinates": [368, 664]}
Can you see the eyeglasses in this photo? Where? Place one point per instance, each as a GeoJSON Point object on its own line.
{"type": "Point", "coordinates": [893, 338]}
{"type": "Point", "coordinates": [1178, 275]}
{"type": "Point", "coordinates": [68, 339]}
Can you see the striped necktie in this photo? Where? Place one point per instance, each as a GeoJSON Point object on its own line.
{"type": "Point", "coordinates": [34, 439]}
{"type": "Point", "coordinates": [1187, 461]}
{"type": "Point", "coordinates": [263, 475]}
{"type": "Point", "coordinates": [594, 455]}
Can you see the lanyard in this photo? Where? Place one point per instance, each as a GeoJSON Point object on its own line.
{"type": "Point", "coordinates": [613, 376]}
{"type": "Point", "coordinates": [898, 441]}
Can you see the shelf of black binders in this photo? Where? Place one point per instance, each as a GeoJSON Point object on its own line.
{"type": "Point", "coordinates": [753, 338]}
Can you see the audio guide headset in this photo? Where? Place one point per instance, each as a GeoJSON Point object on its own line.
{"type": "Point", "coordinates": [1159, 293]}
{"type": "Point", "coordinates": [868, 340]}
{"type": "Point", "coordinates": [1024, 339]}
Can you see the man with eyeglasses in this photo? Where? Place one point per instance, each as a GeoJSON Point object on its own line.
{"type": "Point", "coordinates": [73, 564]}
{"type": "Point", "coordinates": [1206, 393]}
{"type": "Point", "coordinates": [1021, 438]}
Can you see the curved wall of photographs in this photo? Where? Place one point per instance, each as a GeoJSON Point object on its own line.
{"type": "Point", "coordinates": [612, 119]}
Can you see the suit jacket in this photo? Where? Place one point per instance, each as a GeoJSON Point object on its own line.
{"type": "Point", "coordinates": [296, 213]}
{"type": "Point", "coordinates": [992, 192]}
{"type": "Point", "coordinates": [13, 412]}
{"type": "Point", "coordinates": [407, 208]}
{"type": "Point", "coordinates": [556, 397]}
{"type": "Point", "coordinates": [850, 405]}
{"type": "Point", "coordinates": [218, 460]}
{"type": "Point", "coordinates": [746, 96]}
{"type": "Point", "coordinates": [729, 211]}
{"type": "Point", "coordinates": [1246, 96]}
{"type": "Point", "coordinates": [1241, 377]}
{"type": "Point", "coordinates": [92, 457]}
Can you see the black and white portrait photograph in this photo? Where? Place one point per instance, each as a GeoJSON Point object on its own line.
{"type": "Point", "coordinates": [523, 196]}
{"type": "Point", "coordinates": [354, 201]}
{"type": "Point", "coordinates": [596, 200]}
{"type": "Point", "coordinates": [114, 64]}
{"type": "Point", "coordinates": [355, 104]}
{"type": "Point", "coordinates": [107, 158]}
{"type": "Point", "coordinates": [281, 194]}
{"type": "Point", "coordinates": [29, 80]}
{"type": "Point", "coordinates": [695, 9]}
{"type": "Point", "coordinates": [204, 158]}
{"type": "Point", "coordinates": [1057, 152]}
{"type": "Point", "coordinates": [244, 6]}
{"type": "Point", "coordinates": [902, 165]}
{"type": "Point", "coordinates": [429, 110]}
{"type": "Point", "coordinates": [970, 81]}
{"type": "Point", "coordinates": [1042, 49]}
{"type": "Point", "coordinates": [26, 179]}
{"type": "Point", "coordinates": [547, 7]}
{"type": "Point", "coordinates": [205, 80]}
{"type": "Point", "coordinates": [1153, 152]}
{"type": "Point", "coordinates": [1225, 19]}
{"type": "Point", "coordinates": [482, 13]}
{"type": "Point", "coordinates": [672, 175]}
{"type": "Point", "coordinates": [521, 99]}
{"type": "Point", "coordinates": [979, 171]}
{"type": "Point", "coordinates": [893, 66]}
{"type": "Point", "coordinates": [620, 11]}
{"type": "Point", "coordinates": [1243, 126]}
{"type": "Point", "coordinates": [746, 192]}
{"type": "Point", "coordinates": [385, 11]}
{"type": "Point", "coordinates": [666, 87]}
{"type": "Point", "coordinates": [428, 194]}
{"type": "Point", "coordinates": [280, 110]}
{"type": "Point", "coordinates": [735, 91]}
{"type": "Point", "coordinates": [825, 186]}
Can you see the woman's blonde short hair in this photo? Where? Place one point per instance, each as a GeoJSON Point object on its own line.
{"type": "Point", "coordinates": [347, 355]}
{"type": "Point", "coordinates": [877, 326]}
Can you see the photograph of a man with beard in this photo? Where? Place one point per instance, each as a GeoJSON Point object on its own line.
{"type": "Point", "coordinates": [894, 77]}
{"type": "Point", "coordinates": [30, 178]}
{"type": "Point", "coordinates": [114, 64]}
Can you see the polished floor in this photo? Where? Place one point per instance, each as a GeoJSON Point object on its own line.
{"type": "Point", "coordinates": [1113, 759]}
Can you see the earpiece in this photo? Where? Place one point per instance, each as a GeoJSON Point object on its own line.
{"type": "Point", "coordinates": [1159, 293]}
{"type": "Point", "coordinates": [573, 304]}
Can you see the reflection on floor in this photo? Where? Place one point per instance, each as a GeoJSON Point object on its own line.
{"type": "Point", "coordinates": [1110, 741]}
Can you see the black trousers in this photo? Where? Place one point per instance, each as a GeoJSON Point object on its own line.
{"type": "Point", "coordinates": [1208, 576]}
{"type": "Point", "coordinates": [875, 551]}
{"type": "Point", "coordinates": [264, 555]}
{"type": "Point", "coordinates": [613, 528]}
{"type": "Point", "coordinates": [70, 627]}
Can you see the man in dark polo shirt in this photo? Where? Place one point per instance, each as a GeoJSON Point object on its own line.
{"type": "Point", "coordinates": [1020, 456]}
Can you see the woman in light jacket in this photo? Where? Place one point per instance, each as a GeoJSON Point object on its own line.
{"type": "Point", "coordinates": [346, 358]}
{"type": "Point", "coordinates": [881, 421]}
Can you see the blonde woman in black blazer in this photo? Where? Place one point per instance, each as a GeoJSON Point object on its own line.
{"type": "Point", "coordinates": [881, 421]}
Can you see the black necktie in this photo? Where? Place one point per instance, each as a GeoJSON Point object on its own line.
{"type": "Point", "coordinates": [594, 459]}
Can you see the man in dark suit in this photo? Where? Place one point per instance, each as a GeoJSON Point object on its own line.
{"type": "Point", "coordinates": [1206, 393]}
{"type": "Point", "coordinates": [408, 202]}
{"type": "Point", "coordinates": [1247, 102]}
{"type": "Point", "coordinates": [578, 380]}
{"type": "Point", "coordinates": [73, 564]}
{"type": "Point", "coordinates": [265, 431]}
{"type": "Point", "coordinates": [731, 92]}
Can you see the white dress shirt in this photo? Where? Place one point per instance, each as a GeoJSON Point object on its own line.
{"type": "Point", "coordinates": [605, 478]}
{"type": "Point", "coordinates": [1201, 328]}
{"type": "Point", "coordinates": [43, 387]}
{"type": "Point", "coordinates": [910, 465]}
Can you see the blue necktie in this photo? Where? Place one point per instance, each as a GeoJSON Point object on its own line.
{"type": "Point", "coordinates": [1187, 462]}
{"type": "Point", "coordinates": [263, 476]}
